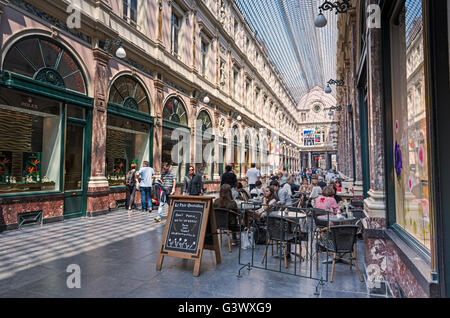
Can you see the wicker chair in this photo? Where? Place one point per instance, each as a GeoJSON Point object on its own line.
{"type": "Point", "coordinates": [224, 224]}
{"type": "Point", "coordinates": [344, 242]}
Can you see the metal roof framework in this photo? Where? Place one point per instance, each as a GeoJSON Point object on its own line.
{"type": "Point", "coordinates": [304, 55]}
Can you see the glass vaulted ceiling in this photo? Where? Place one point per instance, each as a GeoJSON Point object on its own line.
{"type": "Point", "coordinates": [304, 55]}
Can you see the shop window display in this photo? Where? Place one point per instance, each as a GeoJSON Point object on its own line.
{"type": "Point", "coordinates": [127, 142]}
{"type": "Point", "coordinates": [410, 142]}
{"type": "Point", "coordinates": [175, 113]}
{"type": "Point", "coordinates": [207, 153]}
{"type": "Point", "coordinates": [30, 143]}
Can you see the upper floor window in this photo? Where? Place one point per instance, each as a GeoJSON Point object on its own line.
{"type": "Point", "coordinates": [204, 52]}
{"type": "Point", "coordinates": [175, 31]}
{"type": "Point", "coordinates": [235, 82]}
{"type": "Point", "coordinates": [247, 94]}
{"type": "Point", "coordinates": [130, 11]}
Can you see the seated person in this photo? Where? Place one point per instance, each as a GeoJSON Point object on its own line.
{"type": "Point", "coordinates": [294, 187]}
{"type": "Point", "coordinates": [339, 185]}
{"type": "Point", "coordinates": [305, 187]}
{"type": "Point", "coordinates": [287, 186]}
{"type": "Point", "coordinates": [282, 195]}
{"type": "Point", "coordinates": [315, 191]}
{"type": "Point", "coordinates": [322, 183]}
{"type": "Point", "coordinates": [336, 197]}
{"type": "Point", "coordinates": [225, 201]}
{"type": "Point", "coordinates": [269, 203]}
{"type": "Point", "coordinates": [257, 192]}
{"type": "Point", "coordinates": [242, 194]}
{"type": "Point", "coordinates": [326, 201]}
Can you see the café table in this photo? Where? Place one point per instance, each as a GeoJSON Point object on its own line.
{"type": "Point", "coordinates": [345, 195]}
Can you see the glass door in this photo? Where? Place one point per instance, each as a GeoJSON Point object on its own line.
{"type": "Point", "coordinates": [74, 164]}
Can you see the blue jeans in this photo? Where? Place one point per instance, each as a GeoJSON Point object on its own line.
{"type": "Point", "coordinates": [161, 208]}
{"type": "Point", "coordinates": [145, 198]}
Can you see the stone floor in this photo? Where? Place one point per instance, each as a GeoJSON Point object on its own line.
{"type": "Point", "coordinates": [117, 254]}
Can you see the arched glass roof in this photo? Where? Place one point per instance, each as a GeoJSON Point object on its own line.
{"type": "Point", "coordinates": [304, 55]}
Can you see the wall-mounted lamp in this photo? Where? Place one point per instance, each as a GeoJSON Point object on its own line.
{"type": "Point", "coordinates": [332, 108]}
{"type": "Point", "coordinates": [333, 82]}
{"type": "Point", "coordinates": [203, 96]}
{"type": "Point", "coordinates": [120, 52]}
{"type": "Point", "coordinates": [236, 116]}
{"type": "Point", "coordinates": [341, 7]}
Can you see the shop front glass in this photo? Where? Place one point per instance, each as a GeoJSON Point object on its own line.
{"type": "Point", "coordinates": [207, 146]}
{"type": "Point", "coordinates": [30, 143]}
{"type": "Point", "coordinates": [410, 117]}
{"type": "Point", "coordinates": [175, 141]}
{"type": "Point", "coordinates": [127, 142]}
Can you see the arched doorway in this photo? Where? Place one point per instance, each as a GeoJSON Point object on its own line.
{"type": "Point", "coordinates": [45, 129]}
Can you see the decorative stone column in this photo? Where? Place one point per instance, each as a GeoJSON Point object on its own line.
{"type": "Point", "coordinates": [158, 128]}
{"type": "Point", "coordinates": [98, 187]}
{"type": "Point", "coordinates": [217, 134]}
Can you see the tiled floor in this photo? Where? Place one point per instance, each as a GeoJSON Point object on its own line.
{"type": "Point", "coordinates": [117, 256]}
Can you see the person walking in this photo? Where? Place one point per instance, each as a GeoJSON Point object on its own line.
{"type": "Point", "coordinates": [229, 177]}
{"type": "Point", "coordinates": [253, 175]}
{"type": "Point", "coordinates": [168, 180]}
{"type": "Point", "coordinates": [193, 183]}
{"type": "Point", "coordinates": [131, 187]}
{"type": "Point", "coordinates": [146, 175]}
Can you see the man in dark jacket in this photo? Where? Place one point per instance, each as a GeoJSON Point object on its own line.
{"type": "Point", "coordinates": [229, 177]}
{"type": "Point", "coordinates": [194, 182]}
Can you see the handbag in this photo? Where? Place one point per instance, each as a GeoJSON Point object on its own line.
{"type": "Point", "coordinates": [137, 182]}
{"type": "Point", "coordinates": [247, 240]}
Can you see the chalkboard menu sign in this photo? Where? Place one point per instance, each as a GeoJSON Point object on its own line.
{"type": "Point", "coordinates": [185, 226]}
{"type": "Point", "coordinates": [190, 228]}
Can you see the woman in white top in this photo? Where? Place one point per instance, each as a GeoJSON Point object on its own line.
{"type": "Point", "coordinates": [315, 192]}
{"type": "Point", "coordinates": [287, 186]}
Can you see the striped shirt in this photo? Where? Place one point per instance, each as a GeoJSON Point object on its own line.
{"type": "Point", "coordinates": [168, 178]}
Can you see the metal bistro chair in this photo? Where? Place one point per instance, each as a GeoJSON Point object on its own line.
{"type": "Point", "coordinates": [359, 214]}
{"type": "Point", "coordinates": [279, 231]}
{"type": "Point", "coordinates": [320, 227]}
{"type": "Point", "coordinates": [344, 242]}
{"type": "Point", "coordinates": [223, 217]}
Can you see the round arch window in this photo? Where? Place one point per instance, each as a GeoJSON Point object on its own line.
{"type": "Point", "coordinates": [174, 111]}
{"type": "Point", "coordinates": [205, 120]}
{"type": "Point", "coordinates": [129, 93]}
{"type": "Point", "coordinates": [45, 60]}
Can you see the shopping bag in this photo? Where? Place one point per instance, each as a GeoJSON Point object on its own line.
{"type": "Point", "coordinates": [245, 241]}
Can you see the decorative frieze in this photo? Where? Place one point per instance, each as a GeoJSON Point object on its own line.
{"type": "Point", "coordinates": [49, 19]}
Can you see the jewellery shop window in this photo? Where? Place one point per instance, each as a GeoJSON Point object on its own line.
{"type": "Point", "coordinates": [127, 142]}
{"type": "Point", "coordinates": [30, 143]}
{"type": "Point", "coordinates": [410, 117]}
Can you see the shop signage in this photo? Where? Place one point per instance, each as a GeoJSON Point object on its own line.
{"type": "Point", "coordinates": [190, 228]}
